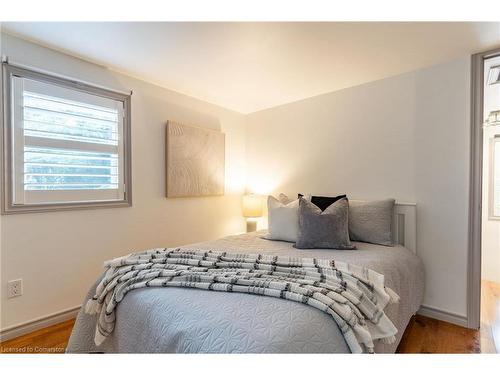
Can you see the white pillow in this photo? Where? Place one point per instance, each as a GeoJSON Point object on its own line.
{"type": "Point", "coordinates": [283, 198]}
{"type": "Point", "coordinates": [283, 220]}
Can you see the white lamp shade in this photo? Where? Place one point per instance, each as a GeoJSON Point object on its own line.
{"type": "Point", "coordinates": [252, 205]}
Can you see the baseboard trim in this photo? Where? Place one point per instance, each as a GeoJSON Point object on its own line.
{"type": "Point", "coordinates": [447, 316]}
{"type": "Point", "coordinates": [17, 330]}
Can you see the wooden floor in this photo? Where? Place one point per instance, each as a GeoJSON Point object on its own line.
{"type": "Point", "coordinates": [423, 335]}
{"type": "Point", "coordinates": [53, 339]}
{"type": "Point", "coordinates": [490, 317]}
{"type": "Point", "coordinates": [426, 335]}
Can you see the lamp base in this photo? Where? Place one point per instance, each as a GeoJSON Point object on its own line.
{"type": "Point", "coordinates": [251, 225]}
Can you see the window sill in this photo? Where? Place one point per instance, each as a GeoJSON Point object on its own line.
{"type": "Point", "coordinates": [37, 208]}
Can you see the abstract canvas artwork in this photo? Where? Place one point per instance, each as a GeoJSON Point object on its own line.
{"type": "Point", "coordinates": [195, 161]}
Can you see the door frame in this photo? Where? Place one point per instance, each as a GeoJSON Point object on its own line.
{"type": "Point", "coordinates": [475, 189]}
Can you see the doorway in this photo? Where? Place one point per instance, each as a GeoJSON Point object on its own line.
{"type": "Point", "coordinates": [484, 262]}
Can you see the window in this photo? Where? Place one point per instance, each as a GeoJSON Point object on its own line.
{"type": "Point", "coordinates": [495, 179]}
{"type": "Point", "coordinates": [494, 75]}
{"type": "Point", "coordinates": [67, 144]}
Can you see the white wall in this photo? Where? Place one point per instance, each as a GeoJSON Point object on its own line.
{"type": "Point", "coordinates": [405, 137]}
{"type": "Point", "coordinates": [490, 236]}
{"type": "Point", "coordinates": [60, 254]}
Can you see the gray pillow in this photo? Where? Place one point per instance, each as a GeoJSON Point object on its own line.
{"type": "Point", "coordinates": [371, 221]}
{"type": "Point", "coordinates": [326, 229]}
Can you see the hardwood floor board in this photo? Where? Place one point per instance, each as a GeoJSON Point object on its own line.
{"type": "Point", "coordinates": [53, 339]}
{"type": "Point", "coordinates": [490, 313]}
{"type": "Point", "coordinates": [427, 335]}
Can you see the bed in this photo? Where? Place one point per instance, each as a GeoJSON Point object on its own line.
{"type": "Point", "coordinates": [176, 320]}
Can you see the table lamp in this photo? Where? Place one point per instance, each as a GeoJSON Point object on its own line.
{"type": "Point", "coordinates": [252, 209]}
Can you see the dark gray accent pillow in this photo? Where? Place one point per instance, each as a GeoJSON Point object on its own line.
{"type": "Point", "coordinates": [323, 202]}
{"type": "Point", "coordinates": [328, 229]}
{"type": "Point", "coordinates": [371, 221]}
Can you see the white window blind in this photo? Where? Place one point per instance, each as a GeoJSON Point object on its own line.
{"type": "Point", "coordinates": [67, 144]}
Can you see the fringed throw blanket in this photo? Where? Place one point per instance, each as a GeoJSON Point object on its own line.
{"type": "Point", "coordinates": [354, 296]}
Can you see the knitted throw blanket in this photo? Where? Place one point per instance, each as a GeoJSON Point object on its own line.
{"type": "Point", "coordinates": [355, 297]}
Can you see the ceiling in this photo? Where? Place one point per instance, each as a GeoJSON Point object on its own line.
{"type": "Point", "coordinates": [247, 67]}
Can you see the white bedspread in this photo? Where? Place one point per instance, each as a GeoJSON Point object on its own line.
{"type": "Point", "coordinates": [193, 321]}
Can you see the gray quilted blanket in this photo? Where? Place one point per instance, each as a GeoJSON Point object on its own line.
{"type": "Point", "coordinates": [177, 320]}
{"type": "Point", "coordinates": [354, 296]}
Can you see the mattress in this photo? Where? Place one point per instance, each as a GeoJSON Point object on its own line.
{"type": "Point", "coordinates": [178, 320]}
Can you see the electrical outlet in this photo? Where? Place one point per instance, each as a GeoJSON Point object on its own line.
{"type": "Point", "coordinates": [15, 288]}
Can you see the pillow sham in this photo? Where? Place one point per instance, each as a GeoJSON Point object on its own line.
{"type": "Point", "coordinates": [283, 220]}
{"type": "Point", "coordinates": [323, 202]}
{"type": "Point", "coordinates": [371, 221]}
{"type": "Point", "coordinates": [283, 198]}
{"type": "Point", "coordinates": [328, 229]}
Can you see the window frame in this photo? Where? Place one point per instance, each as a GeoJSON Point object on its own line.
{"type": "Point", "coordinates": [8, 206]}
{"type": "Point", "coordinates": [491, 178]}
